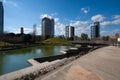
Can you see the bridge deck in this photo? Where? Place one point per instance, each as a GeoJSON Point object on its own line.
{"type": "Point", "coordinates": [101, 64]}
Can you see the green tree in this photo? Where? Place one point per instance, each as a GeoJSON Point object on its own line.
{"type": "Point", "coordinates": [105, 38]}
{"type": "Point", "coordinates": [84, 36]}
{"type": "Point", "coordinates": [27, 38]}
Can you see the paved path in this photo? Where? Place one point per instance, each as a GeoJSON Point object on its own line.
{"type": "Point", "coordinates": [101, 64]}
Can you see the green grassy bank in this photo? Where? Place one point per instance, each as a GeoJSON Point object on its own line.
{"type": "Point", "coordinates": [56, 41]}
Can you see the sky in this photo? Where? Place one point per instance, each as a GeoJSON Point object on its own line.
{"type": "Point", "coordinates": [78, 13]}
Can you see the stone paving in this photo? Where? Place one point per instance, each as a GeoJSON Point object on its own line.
{"type": "Point", "coordinates": [100, 64]}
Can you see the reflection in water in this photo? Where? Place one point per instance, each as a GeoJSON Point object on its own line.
{"type": "Point", "coordinates": [1, 62]}
{"type": "Point", "coordinates": [18, 51]}
{"type": "Point", "coordinates": [17, 59]}
{"type": "Point", "coordinates": [49, 51]}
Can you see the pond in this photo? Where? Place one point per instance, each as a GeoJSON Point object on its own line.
{"type": "Point", "coordinates": [13, 60]}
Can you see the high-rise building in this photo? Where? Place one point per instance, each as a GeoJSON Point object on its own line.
{"type": "Point", "coordinates": [34, 33]}
{"type": "Point", "coordinates": [72, 32]}
{"type": "Point", "coordinates": [34, 29]}
{"type": "Point", "coordinates": [95, 30]}
{"type": "Point", "coordinates": [47, 27]}
{"type": "Point", "coordinates": [22, 30]}
{"type": "Point", "coordinates": [69, 32]}
{"type": "Point", "coordinates": [1, 17]}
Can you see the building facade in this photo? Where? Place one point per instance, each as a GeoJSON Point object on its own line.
{"type": "Point", "coordinates": [95, 30]}
{"type": "Point", "coordinates": [67, 32]}
{"type": "Point", "coordinates": [1, 18]}
{"type": "Point", "coordinates": [47, 27]}
{"type": "Point", "coordinates": [70, 32]}
{"type": "Point", "coordinates": [21, 30]}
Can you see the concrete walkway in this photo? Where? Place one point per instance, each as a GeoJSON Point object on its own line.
{"type": "Point", "coordinates": [101, 64]}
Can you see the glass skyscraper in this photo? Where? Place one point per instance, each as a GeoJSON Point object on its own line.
{"type": "Point", "coordinates": [1, 18]}
{"type": "Point", "coordinates": [47, 27]}
{"type": "Point", "coordinates": [95, 30]}
{"type": "Point", "coordinates": [70, 32]}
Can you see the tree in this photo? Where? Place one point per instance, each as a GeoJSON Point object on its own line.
{"type": "Point", "coordinates": [27, 38]}
{"type": "Point", "coordinates": [39, 38]}
{"type": "Point", "coordinates": [84, 36]}
{"type": "Point", "coordinates": [105, 38]}
{"type": "Point", "coordinates": [11, 35]}
{"type": "Point", "coordinates": [76, 38]}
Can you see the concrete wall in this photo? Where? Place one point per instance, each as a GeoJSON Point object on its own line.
{"type": "Point", "coordinates": [50, 58]}
{"type": "Point", "coordinates": [70, 52]}
{"type": "Point", "coordinates": [44, 62]}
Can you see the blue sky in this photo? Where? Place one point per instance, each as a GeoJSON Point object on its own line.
{"type": "Point", "coordinates": [79, 13]}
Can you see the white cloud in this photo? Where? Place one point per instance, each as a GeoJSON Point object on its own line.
{"type": "Point", "coordinates": [115, 21]}
{"type": "Point", "coordinates": [59, 29]}
{"type": "Point", "coordinates": [116, 17]}
{"type": "Point", "coordinates": [105, 23]}
{"type": "Point", "coordinates": [79, 23]}
{"type": "Point", "coordinates": [54, 14]}
{"type": "Point", "coordinates": [13, 29]}
{"type": "Point", "coordinates": [28, 30]}
{"type": "Point", "coordinates": [45, 15]}
{"type": "Point", "coordinates": [38, 30]}
{"type": "Point", "coordinates": [4, 1]}
{"type": "Point", "coordinates": [116, 31]}
{"type": "Point", "coordinates": [106, 33]}
{"type": "Point", "coordinates": [56, 19]}
{"type": "Point", "coordinates": [85, 10]}
{"type": "Point", "coordinates": [109, 33]}
{"type": "Point", "coordinates": [80, 27]}
{"type": "Point", "coordinates": [48, 16]}
{"type": "Point", "coordinates": [17, 29]}
{"type": "Point", "coordinates": [9, 2]}
{"type": "Point", "coordinates": [97, 17]}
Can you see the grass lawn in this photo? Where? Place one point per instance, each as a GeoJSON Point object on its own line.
{"type": "Point", "coordinates": [56, 41]}
{"type": "Point", "coordinates": [4, 43]}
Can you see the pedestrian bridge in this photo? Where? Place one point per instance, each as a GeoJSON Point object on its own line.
{"type": "Point", "coordinates": [92, 43]}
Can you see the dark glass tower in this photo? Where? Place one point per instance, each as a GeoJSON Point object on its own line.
{"type": "Point", "coordinates": [47, 27]}
{"type": "Point", "coordinates": [70, 32]}
{"type": "Point", "coordinates": [22, 30]}
{"type": "Point", "coordinates": [95, 30]}
{"type": "Point", "coordinates": [1, 18]}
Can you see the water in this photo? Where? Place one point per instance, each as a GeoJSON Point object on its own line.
{"type": "Point", "coordinates": [13, 60]}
